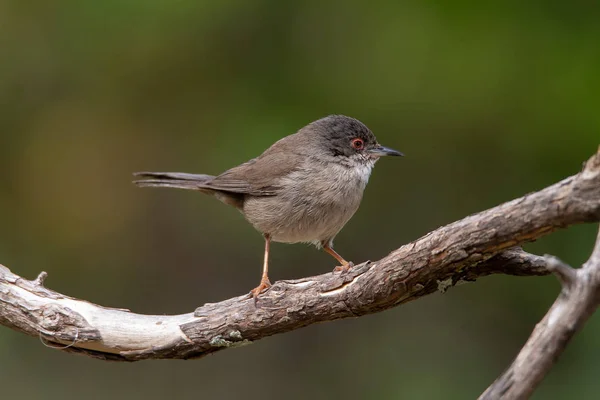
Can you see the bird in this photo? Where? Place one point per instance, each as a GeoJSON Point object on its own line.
{"type": "Point", "coordinates": [302, 189]}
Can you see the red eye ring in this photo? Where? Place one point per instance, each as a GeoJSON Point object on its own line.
{"type": "Point", "coordinates": [358, 143]}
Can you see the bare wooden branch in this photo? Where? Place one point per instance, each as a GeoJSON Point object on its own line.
{"type": "Point", "coordinates": [475, 246]}
{"type": "Point", "coordinates": [74, 325]}
{"type": "Point", "coordinates": [579, 299]}
{"type": "Point", "coordinates": [576, 303]}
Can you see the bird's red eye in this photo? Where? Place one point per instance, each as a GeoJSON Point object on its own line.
{"type": "Point", "coordinates": [358, 143]}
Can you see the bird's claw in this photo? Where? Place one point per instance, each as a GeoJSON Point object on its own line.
{"type": "Point", "coordinates": [344, 267]}
{"type": "Point", "coordinates": [264, 285]}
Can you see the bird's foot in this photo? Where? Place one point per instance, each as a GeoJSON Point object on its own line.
{"type": "Point", "coordinates": [264, 285]}
{"type": "Point", "coordinates": [344, 267]}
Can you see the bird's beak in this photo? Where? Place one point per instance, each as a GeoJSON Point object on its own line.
{"type": "Point", "coordinates": [381, 151]}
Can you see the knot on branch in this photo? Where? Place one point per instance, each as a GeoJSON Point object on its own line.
{"type": "Point", "coordinates": [39, 281]}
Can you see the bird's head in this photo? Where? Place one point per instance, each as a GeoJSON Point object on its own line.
{"type": "Point", "coordinates": [347, 140]}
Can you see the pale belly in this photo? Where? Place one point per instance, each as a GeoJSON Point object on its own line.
{"type": "Point", "coordinates": [299, 221]}
{"type": "Point", "coordinates": [310, 210]}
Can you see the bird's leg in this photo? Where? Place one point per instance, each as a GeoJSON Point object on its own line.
{"type": "Point", "coordinates": [264, 281]}
{"type": "Point", "coordinates": [346, 265]}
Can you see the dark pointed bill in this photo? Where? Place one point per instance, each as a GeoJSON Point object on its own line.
{"type": "Point", "coordinates": [381, 151]}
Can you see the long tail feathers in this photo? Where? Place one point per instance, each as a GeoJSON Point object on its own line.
{"type": "Point", "coordinates": [178, 180]}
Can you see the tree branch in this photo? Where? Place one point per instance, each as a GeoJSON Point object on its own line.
{"type": "Point", "coordinates": [579, 298]}
{"type": "Point", "coordinates": [465, 250]}
{"type": "Point", "coordinates": [117, 334]}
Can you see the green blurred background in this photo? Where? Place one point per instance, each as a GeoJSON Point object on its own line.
{"type": "Point", "coordinates": [488, 101]}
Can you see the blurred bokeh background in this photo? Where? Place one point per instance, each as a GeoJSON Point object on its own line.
{"type": "Point", "coordinates": [489, 101]}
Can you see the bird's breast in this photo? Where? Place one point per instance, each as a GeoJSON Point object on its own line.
{"type": "Point", "coordinates": [312, 204]}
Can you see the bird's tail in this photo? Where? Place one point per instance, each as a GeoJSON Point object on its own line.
{"type": "Point", "coordinates": [178, 180]}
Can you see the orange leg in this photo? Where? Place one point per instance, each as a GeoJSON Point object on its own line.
{"type": "Point", "coordinates": [346, 265]}
{"type": "Point", "coordinates": [264, 282]}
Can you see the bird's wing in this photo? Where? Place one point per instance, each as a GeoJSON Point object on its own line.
{"type": "Point", "coordinates": [262, 175]}
{"type": "Point", "coordinates": [258, 177]}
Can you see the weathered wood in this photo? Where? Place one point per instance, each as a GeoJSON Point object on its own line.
{"type": "Point", "coordinates": [118, 334]}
